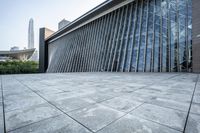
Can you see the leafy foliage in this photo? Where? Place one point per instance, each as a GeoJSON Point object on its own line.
{"type": "Point", "coordinates": [18, 67]}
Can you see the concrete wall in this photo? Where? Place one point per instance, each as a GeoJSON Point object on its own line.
{"type": "Point", "coordinates": [196, 35]}
{"type": "Point", "coordinates": [62, 24]}
{"type": "Point", "coordinates": [43, 49]}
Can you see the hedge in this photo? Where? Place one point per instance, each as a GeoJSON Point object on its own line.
{"type": "Point", "coordinates": [18, 67]}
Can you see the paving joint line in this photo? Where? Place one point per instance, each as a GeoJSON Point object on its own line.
{"type": "Point", "coordinates": [195, 113]}
{"type": "Point", "coordinates": [99, 102]}
{"type": "Point", "coordinates": [126, 113]}
{"type": "Point", "coordinates": [33, 123]}
{"type": "Point", "coordinates": [4, 119]}
{"type": "Point", "coordinates": [191, 104]}
{"type": "Point", "coordinates": [157, 123]}
{"type": "Point", "coordinates": [144, 87]}
{"type": "Point", "coordinates": [173, 76]}
{"type": "Point", "coordinates": [88, 105]}
{"type": "Point", "coordinates": [165, 107]}
{"type": "Point", "coordinates": [121, 110]}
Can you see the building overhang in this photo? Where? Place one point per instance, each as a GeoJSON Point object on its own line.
{"type": "Point", "coordinates": [97, 12]}
{"type": "Point", "coordinates": [18, 54]}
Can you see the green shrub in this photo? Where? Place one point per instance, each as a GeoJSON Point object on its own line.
{"type": "Point", "coordinates": [18, 67]}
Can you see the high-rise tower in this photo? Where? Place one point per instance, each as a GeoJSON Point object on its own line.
{"type": "Point", "coordinates": [30, 34]}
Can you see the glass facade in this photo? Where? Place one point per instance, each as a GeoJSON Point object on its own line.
{"type": "Point", "coordinates": [142, 36]}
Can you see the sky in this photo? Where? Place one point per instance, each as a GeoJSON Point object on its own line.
{"type": "Point", "coordinates": [15, 15]}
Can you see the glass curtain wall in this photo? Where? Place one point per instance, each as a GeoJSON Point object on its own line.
{"type": "Point", "coordinates": [142, 36]}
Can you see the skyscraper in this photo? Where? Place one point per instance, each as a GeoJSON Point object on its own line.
{"type": "Point", "coordinates": [62, 24]}
{"type": "Point", "coordinates": [30, 34]}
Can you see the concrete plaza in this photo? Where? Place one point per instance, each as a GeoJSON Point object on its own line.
{"type": "Point", "coordinates": [100, 102]}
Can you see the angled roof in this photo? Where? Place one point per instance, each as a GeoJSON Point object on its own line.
{"type": "Point", "coordinates": [18, 53]}
{"type": "Point", "coordinates": [105, 6]}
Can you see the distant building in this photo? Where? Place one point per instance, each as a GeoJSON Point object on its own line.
{"type": "Point", "coordinates": [30, 34]}
{"type": "Point", "coordinates": [29, 53]}
{"type": "Point", "coordinates": [34, 57]}
{"type": "Point", "coordinates": [15, 48]}
{"type": "Point", "coordinates": [62, 24]}
{"type": "Point", "coordinates": [16, 54]}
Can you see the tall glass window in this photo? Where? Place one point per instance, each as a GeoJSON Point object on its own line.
{"type": "Point", "coordinates": [142, 36]}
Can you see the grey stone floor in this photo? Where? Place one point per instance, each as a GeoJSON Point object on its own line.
{"type": "Point", "coordinates": [100, 102]}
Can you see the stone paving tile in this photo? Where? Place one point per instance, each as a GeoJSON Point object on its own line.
{"type": "Point", "coordinates": [132, 124]}
{"type": "Point", "coordinates": [177, 97]}
{"type": "Point", "coordinates": [173, 86]}
{"type": "Point", "coordinates": [20, 118]}
{"type": "Point", "coordinates": [166, 95]}
{"type": "Point", "coordinates": [96, 116]}
{"type": "Point", "coordinates": [16, 91]}
{"type": "Point", "coordinates": [58, 124]}
{"type": "Point", "coordinates": [193, 124]}
{"type": "Point", "coordinates": [186, 77]}
{"type": "Point", "coordinates": [19, 96]}
{"type": "Point", "coordinates": [121, 104]}
{"type": "Point", "coordinates": [1, 124]}
{"type": "Point", "coordinates": [197, 91]}
{"type": "Point", "coordinates": [138, 97]}
{"type": "Point", "coordinates": [70, 104]}
{"type": "Point", "coordinates": [1, 118]}
{"type": "Point", "coordinates": [183, 106]}
{"type": "Point", "coordinates": [49, 90]}
{"type": "Point", "coordinates": [99, 97]}
{"type": "Point", "coordinates": [122, 90]}
{"type": "Point", "coordinates": [169, 117]}
{"type": "Point", "coordinates": [64, 87]}
{"type": "Point", "coordinates": [196, 98]}
{"type": "Point", "coordinates": [1, 110]}
{"type": "Point", "coordinates": [21, 101]}
{"type": "Point", "coordinates": [195, 108]}
{"type": "Point", "coordinates": [64, 95]}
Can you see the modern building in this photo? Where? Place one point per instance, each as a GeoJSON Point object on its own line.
{"type": "Point", "coordinates": [34, 56]}
{"type": "Point", "coordinates": [62, 24]}
{"type": "Point", "coordinates": [26, 54]}
{"type": "Point", "coordinates": [127, 36]}
{"type": "Point", "coordinates": [16, 54]}
{"type": "Point", "coordinates": [30, 34]}
{"type": "Point", "coordinates": [14, 48]}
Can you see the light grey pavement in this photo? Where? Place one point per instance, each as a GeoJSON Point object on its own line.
{"type": "Point", "coordinates": [100, 102]}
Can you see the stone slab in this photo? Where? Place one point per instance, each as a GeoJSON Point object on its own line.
{"type": "Point", "coordinates": [195, 108]}
{"type": "Point", "coordinates": [193, 124]}
{"type": "Point", "coordinates": [1, 119]}
{"type": "Point", "coordinates": [170, 103]}
{"type": "Point", "coordinates": [58, 124]}
{"type": "Point", "coordinates": [132, 124]}
{"type": "Point", "coordinates": [19, 118]}
{"type": "Point", "coordinates": [165, 116]}
{"type": "Point", "coordinates": [96, 116]}
{"type": "Point", "coordinates": [71, 104]}
{"type": "Point", "coordinates": [124, 105]}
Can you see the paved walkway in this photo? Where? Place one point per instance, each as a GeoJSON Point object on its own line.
{"type": "Point", "coordinates": [100, 102]}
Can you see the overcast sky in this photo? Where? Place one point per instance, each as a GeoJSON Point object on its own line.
{"type": "Point", "coordinates": [15, 15]}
